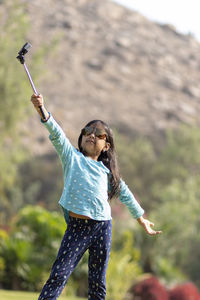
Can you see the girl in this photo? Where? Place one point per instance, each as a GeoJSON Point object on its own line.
{"type": "Point", "coordinates": [91, 178]}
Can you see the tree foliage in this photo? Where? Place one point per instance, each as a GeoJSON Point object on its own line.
{"type": "Point", "coordinates": [13, 85]}
{"type": "Point", "coordinates": [169, 186]}
{"type": "Point", "coordinates": [15, 92]}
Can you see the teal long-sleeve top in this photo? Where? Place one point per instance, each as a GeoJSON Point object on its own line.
{"type": "Point", "coordinates": [86, 181]}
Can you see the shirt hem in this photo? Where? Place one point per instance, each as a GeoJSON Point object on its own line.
{"type": "Point", "coordinates": [84, 213]}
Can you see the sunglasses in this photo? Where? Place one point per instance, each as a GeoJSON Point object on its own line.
{"type": "Point", "coordinates": [99, 133]}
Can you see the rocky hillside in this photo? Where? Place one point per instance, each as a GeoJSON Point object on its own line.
{"type": "Point", "coordinates": [114, 64]}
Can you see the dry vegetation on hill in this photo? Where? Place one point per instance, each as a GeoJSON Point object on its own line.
{"type": "Point", "coordinates": [114, 64]}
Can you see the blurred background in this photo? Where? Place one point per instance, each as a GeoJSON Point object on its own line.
{"type": "Point", "coordinates": [101, 60]}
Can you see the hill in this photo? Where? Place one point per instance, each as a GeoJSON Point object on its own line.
{"type": "Point", "coordinates": [114, 64]}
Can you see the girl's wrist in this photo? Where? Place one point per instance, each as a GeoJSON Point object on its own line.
{"type": "Point", "coordinates": [46, 113]}
{"type": "Point", "coordinates": [140, 220]}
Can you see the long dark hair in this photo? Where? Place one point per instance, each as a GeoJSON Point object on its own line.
{"type": "Point", "coordinates": [109, 159]}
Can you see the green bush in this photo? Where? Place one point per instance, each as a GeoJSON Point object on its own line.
{"type": "Point", "coordinates": [31, 248]}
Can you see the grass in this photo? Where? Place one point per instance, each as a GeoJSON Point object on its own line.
{"type": "Point", "coordinates": [15, 295]}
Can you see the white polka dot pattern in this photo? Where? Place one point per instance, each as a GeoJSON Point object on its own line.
{"type": "Point", "coordinates": [81, 235]}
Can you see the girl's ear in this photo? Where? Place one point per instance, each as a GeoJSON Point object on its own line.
{"type": "Point", "coordinates": [106, 147]}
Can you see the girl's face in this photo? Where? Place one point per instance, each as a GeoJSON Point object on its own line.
{"type": "Point", "coordinates": [94, 140]}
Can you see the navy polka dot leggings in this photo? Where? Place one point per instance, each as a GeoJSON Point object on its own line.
{"type": "Point", "coordinates": [81, 235]}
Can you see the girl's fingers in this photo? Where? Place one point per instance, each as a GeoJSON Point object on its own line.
{"type": "Point", "coordinates": [151, 231]}
{"type": "Point", "coordinates": [155, 232]}
{"type": "Point", "coordinates": [148, 228]}
{"type": "Point", "coordinates": [37, 100]}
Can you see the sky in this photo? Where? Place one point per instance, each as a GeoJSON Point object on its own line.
{"type": "Point", "coordinates": [183, 14]}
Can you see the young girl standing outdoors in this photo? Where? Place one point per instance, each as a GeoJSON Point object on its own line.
{"type": "Point", "coordinates": [91, 179]}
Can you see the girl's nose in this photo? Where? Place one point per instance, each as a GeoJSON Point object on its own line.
{"type": "Point", "coordinates": [92, 134]}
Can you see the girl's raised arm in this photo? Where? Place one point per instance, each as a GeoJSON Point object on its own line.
{"type": "Point", "coordinates": [61, 143]}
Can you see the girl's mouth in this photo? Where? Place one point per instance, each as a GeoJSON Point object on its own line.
{"type": "Point", "coordinates": [90, 141]}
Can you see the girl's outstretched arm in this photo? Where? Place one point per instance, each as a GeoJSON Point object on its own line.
{"type": "Point", "coordinates": [39, 102]}
{"type": "Point", "coordinates": [147, 225]}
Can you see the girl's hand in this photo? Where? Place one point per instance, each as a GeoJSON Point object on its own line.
{"type": "Point", "coordinates": [37, 101]}
{"type": "Point", "coordinates": [147, 225]}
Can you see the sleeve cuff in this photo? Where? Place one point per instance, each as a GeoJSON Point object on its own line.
{"type": "Point", "coordinates": [44, 121]}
